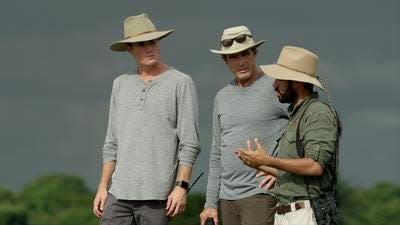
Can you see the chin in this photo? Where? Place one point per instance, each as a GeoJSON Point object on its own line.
{"type": "Point", "coordinates": [242, 76]}
{"type": "Point", "coordinates": [151, 62]}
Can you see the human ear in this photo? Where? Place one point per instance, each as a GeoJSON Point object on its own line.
{"type": "Point", "coordinates": [129, 48]}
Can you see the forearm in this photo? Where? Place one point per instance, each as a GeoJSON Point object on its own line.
{"type": "Point", "coordinates": [269, 170]}
{"type": "Point", "coordinates": [302, 166]}
{"type": "Point", "coordinates": [212, 195]}
{"type": "Point", "coordinates": [184, 173]}
{"type": "Point", "coordinates": [215, 168]}
{"type": "Point", "coordinates": [106, 174]}
{"type": "Point", "coordinates": [213, 184]}
{"type": "Point", "coordinates": [176, 202]}
{"type": "Point", "coordinates": [214, 173]}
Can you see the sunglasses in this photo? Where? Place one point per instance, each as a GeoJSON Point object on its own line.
{"type": "Point", "coordinates": [239, 39]}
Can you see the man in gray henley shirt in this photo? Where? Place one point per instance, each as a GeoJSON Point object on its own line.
{"type": "Point", "coordinates": [244, 109]}
{"type": "Point", "coordinates": [152, 138]}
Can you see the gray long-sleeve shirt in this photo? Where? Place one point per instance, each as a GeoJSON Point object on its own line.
{"type": "Point", "coordinates": [150, 127]}
{"type": "Point", "coordinates": [241, 114]}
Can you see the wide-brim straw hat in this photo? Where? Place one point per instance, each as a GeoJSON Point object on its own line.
{"type": "Point", "coordinates": [236, 47]}
{"type": "Point", "coordinates": [138, 29]}
{"type": "Point", "coordinates": [294, 63]}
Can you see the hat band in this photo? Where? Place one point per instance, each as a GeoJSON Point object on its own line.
{"type": "Point", "coordinates": [311, 75]}
{"type": "Point", "coordinates": [136, 35]}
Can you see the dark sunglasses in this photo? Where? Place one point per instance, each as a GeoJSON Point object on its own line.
{"type": "Point", "coordinates": [239, 39]}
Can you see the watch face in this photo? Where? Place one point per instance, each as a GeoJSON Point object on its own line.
{"type": "Point", "coordinates": [183, 184]}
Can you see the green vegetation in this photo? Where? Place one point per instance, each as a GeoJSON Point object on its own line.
{"type": "Point", "coordinates": [377, 205]}
{"type": "Point", "coordinates": [65, 200]}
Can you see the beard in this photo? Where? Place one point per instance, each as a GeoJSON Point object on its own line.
{"type": "Point", "coordinates": [289, 96]}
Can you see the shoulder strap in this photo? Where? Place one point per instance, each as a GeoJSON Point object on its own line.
{"type": "Point", "coordinates": [299, 145]}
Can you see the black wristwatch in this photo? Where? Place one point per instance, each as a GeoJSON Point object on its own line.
{"type": "Point", "coordinates": [183, 184]}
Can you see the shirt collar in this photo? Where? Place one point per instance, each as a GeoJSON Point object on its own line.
{"type": "Point", "coordinates": [292, 110]}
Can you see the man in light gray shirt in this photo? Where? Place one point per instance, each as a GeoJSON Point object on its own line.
{"type": "Point", "coordinates": [244, 109]}
{"type": "Point", "coordinates": [152, 138]}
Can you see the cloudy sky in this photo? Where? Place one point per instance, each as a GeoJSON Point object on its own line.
{"type": "Point", "coordinates": [57, 70]}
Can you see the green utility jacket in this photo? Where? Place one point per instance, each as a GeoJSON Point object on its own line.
{"type": "Point", "coordinates": [318, 134]}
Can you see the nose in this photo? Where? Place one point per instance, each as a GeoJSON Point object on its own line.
{"type": "Point", "coordinates": [241, 59]}
{"type": "Point", "coordinates": [275, 84]}
{"type": "Point", "coordinates": [149, 46]}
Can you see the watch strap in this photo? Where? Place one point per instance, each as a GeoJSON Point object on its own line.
{"type": "Point", "coordinates": [183, 184]}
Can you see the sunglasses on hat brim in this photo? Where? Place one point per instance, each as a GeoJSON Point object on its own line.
{"type": "Point", "coordinates": [239, 39]}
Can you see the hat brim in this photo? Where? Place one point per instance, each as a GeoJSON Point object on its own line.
{"type": "Point", "coordinates": [121, 46]}
{"type": "Point", "coordinates": [237, 50]}
{"type": "Point", "coordinates": [283, 73]}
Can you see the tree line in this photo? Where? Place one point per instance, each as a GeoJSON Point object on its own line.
{"type": "Point", "coordinates": [66, 200]}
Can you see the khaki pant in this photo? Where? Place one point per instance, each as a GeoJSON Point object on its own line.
{"type": "Point", "coordinates": [254, 210]}
{"type": "Point", "coordinates": [303, 216]}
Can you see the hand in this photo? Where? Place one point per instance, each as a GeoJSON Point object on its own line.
{"type": "Point", "coordinates": [176, 202]}
{"type": "Point", "coordinates": [253, 158]}
{"type": "Point", "coordinates": [209, 213]}
{"type": "Point", "coordinates": [267, 182]}
{"type": "Point", "coordinates": [99, 202]}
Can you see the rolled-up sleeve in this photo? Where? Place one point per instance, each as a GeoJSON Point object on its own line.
{"type": "Point", "coordinates": [320, 134]}
{"type": "Point", "coordinates": [188, 123]}
{"type": "Point", "coordinates": [215, 169]}
{"type": "Point", "coordinates": [110, 147]}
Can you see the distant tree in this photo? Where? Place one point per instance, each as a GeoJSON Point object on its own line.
{"type": "Point", "coordinates": [13, 214]}
{"type": "Point", "coordinates": [53, 198]}
{"type": "Point", "coordinates": [11, 211]}
{"type": "Point", "coordinates": [376, 205]}
{"type": "Point", "coordinates": [53, 193]}
{"type": "Point", "coordinates": [380, 204]}
{"type": "Point", "coordinates": [7, 195]}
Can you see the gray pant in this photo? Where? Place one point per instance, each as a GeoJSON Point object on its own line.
{"type": "Point", "coordinates": [133, 212]}
{"type": "Point", "coordinates": [254, 210]}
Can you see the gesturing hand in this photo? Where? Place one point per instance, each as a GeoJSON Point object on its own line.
{"type": "Point", "coordinates": [253, 158]}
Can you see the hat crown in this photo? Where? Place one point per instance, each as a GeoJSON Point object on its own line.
{"type": "Point", "coordinates": [136, 25]}
{"type": "Point", "coordinates": [298, 59]}
{"type": "Point", "coordinates": [233, 32]}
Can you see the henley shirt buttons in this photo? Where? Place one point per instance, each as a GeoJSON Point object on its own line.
{"type": "Point", "coordinates": [143, 90]}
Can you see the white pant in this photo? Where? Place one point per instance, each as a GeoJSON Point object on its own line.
{"type": "Point", "coordinates": [303, 216]}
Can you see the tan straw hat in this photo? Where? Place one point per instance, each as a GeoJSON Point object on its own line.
{"type": "Point", "coordinates": [236, 39]}
{"type": "Point", "coordinates": [137, 29]}
{"type": "Point", "coordinates": [296, 64]}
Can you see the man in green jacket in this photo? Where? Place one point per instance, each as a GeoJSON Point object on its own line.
{"type": "Point", "coordinates": [305, 165]}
